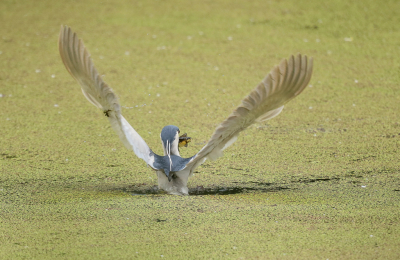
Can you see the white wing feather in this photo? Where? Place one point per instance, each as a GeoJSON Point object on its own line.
{"type": "Point", "coordinates": [266, 101]}
{"type": "Point", "coordinates": [79, 64]}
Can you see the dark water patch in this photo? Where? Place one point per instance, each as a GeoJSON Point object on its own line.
{"type": "Point", "coordinates": [390, 135]}
{"type": "Point", "coordinates": [315, 180]}
{"type": "Point", "coordinates": [364, 173]}
{"type": "Point", "coordinates": [161, 220]}
{"type": "Point", "coordinates": [114, 165]}
{"type": "Point", "coordinates": [219, 191]}
{"type": "Point", "coordinates": [136, 190]}
{"type": "Point", "coordinates": [7, 156]}
{"type": "Point", "coordinates": [261, 183]}
{"type": "Point", "coordinates": [313, 27]}
{"type": "Point", "coordinates": [364, 158]}
{"type": "Point", "coordinates": [237, 169]}
{"type": "Point", "coordinates": [233, 190]}
{"type": "Point", "coordinates": [352, 175]}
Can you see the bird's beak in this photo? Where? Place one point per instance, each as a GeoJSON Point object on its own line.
{"type": "Point", "coordinates": [184, 140]}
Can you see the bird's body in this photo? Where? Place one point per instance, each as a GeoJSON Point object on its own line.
{"type": "Point", "coordinates": [266, 101]}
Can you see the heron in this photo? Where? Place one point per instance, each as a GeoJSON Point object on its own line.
{"type": "Point", "coordinates": [284, 82]}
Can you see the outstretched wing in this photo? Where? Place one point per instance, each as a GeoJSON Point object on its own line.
{"type": "Point", "coordinates": [79, 64]}
{"type": "Point", "coordinates": [266, 101]}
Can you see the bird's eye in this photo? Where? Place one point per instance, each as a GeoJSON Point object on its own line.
{"type": "Point", "coordinates": [178, 131]}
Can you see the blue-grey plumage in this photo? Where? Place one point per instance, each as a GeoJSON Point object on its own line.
{"type": "Point", "coordinates": [170, 164]}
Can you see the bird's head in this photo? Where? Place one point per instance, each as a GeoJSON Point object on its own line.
{"type": "Point", "coordinates": [170, 140]}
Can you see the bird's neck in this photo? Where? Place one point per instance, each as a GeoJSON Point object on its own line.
{"type": "Point", "coordinates": [173, 149]}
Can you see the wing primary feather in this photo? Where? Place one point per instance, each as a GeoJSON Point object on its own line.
{"type": "Point", "coordinates": [274, 79]}
{"type": "Point", "coordinates": [282, 72]}
{"type": "Point", "coordinates": [303, 70]}
{"type": "Point", "coordinates": [290, 71]}
{"type": "Point", "coordinates": [307, 76]}
{"type": "Point", "coordinates": [296, 73]}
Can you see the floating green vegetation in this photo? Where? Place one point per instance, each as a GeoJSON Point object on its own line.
{"type": "Point", "coordinates": [320, 181]}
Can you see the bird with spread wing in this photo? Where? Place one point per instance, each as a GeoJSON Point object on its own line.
{"type": "Point", "coordinates": [284, 82]}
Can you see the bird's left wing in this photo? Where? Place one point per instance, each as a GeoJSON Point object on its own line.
{"type": "Point", "coordinates": [266, 101]}
{"type": "Point", "coordinates": [79, 64]}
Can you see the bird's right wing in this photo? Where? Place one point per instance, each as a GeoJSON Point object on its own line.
{"type": "Point", "coordinates": [79, 64]}
{"type": "Point", "coordinates": [266, 101]}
